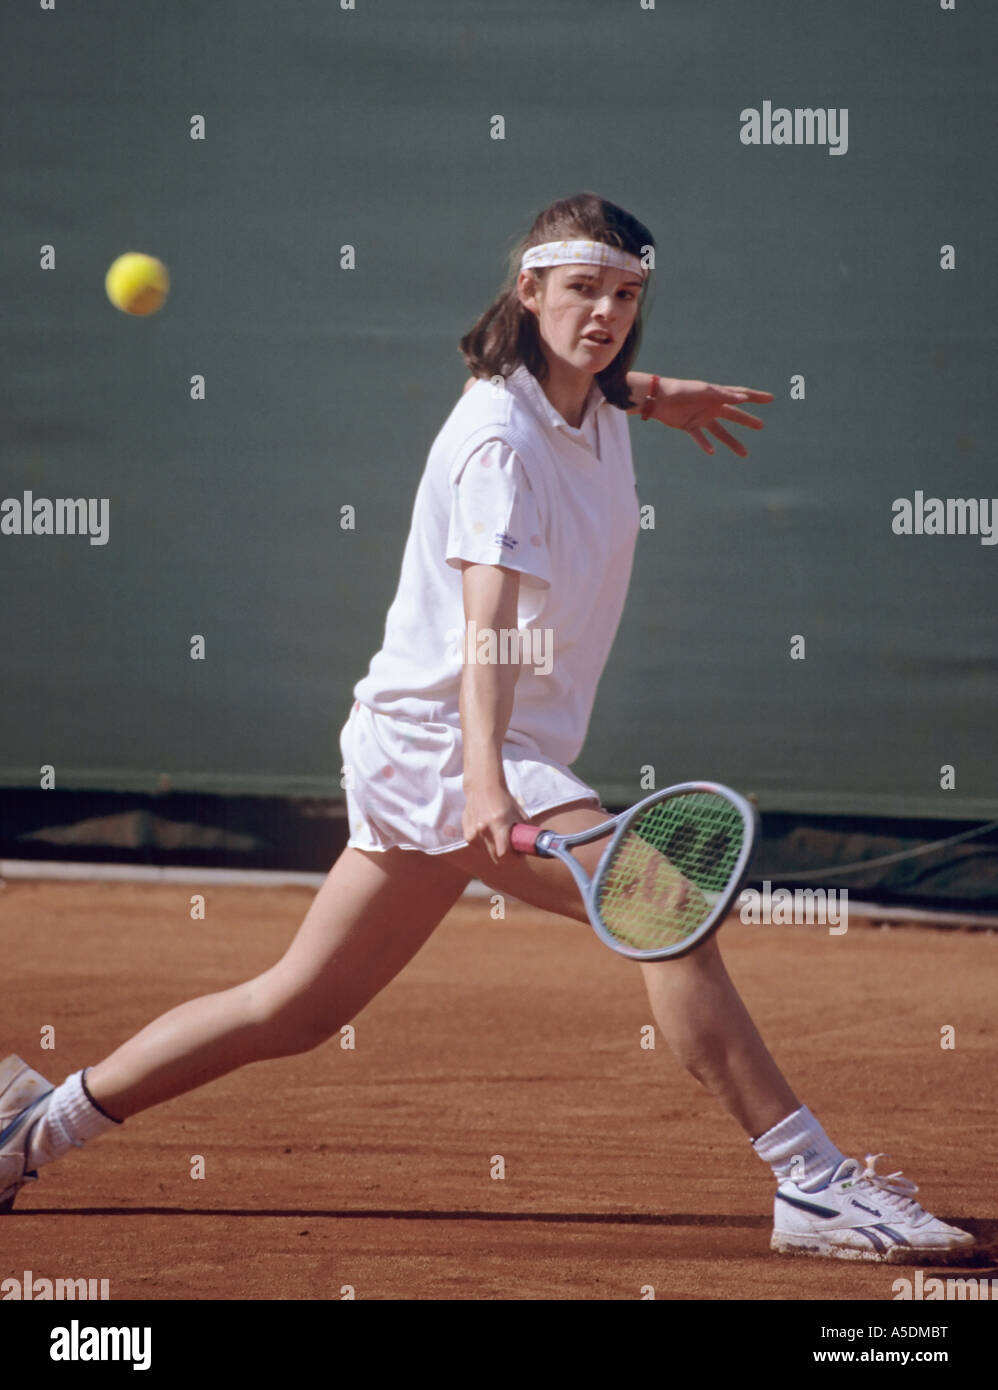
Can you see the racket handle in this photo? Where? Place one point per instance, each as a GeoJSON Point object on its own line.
{"type": "Point", "coordinates": [524, 837]}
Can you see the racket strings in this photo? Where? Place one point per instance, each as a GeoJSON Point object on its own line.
{"type": "Point", "coordinates": [652, 893]}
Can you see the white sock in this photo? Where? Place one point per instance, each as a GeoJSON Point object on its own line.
{"type": "Point", "coordinates": [798, 1149]}
{"type": "Point", "coordinates": [71, 1119]}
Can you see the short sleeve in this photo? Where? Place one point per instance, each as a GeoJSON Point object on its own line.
{"type": "Point", "coordinates": [495, 517]}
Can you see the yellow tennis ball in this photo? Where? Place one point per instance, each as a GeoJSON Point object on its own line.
{"type": "Point", "coordinates": [137, 284]}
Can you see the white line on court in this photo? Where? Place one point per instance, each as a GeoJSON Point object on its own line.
{"type": "Point", "coordinates": [279, 878]}
{"type": "Point", "coordinates": [146, 873]}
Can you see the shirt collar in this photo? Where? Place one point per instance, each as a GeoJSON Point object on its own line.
{"type": "Point", "coordinates": [535, 392]}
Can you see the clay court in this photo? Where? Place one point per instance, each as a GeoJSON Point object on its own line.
{"type": "Point", "coordinates": [520, 1038]}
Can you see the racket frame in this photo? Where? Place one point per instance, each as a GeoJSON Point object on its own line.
{"type": "Point", "coordinates": [549, 844]}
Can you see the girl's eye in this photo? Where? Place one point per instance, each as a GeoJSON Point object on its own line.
{"type": "Point", "coordinates": [584, 285]}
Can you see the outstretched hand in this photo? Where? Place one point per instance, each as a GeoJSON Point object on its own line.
{"type": "Point", "coordinates": [698, 406]}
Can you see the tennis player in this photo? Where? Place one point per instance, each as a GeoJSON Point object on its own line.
{"type": "Point", "coordinates": [524, 523]}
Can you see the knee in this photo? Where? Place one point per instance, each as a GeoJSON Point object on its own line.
{"type": "Point", "coordinates": [693, 971]}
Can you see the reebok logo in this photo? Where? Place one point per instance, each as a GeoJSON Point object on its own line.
{"type": "Point", "coordinates": [871, 1210]}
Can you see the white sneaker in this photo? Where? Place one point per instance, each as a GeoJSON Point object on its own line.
{"type": "Point", "coordinates": [24, 1098]}
{"type": "Point", "coordinates": [863, 1215]}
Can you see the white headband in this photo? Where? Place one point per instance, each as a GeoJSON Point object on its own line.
{"type": "Point", "coordinates": [581, 253]}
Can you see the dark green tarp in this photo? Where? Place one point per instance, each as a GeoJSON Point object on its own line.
{"type": "Point", "coordinates": [324, 387]}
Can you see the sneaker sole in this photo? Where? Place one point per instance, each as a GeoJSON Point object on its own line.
{"type": "Point", "coordinates": [787, 1243]}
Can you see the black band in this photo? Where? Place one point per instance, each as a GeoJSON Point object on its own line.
{"type": "Point", "coordinates": [96, 1103]}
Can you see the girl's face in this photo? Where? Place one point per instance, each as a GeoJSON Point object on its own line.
{"type": "Point", "coordinates": [584, 312]}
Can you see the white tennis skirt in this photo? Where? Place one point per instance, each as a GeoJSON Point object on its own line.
{"type": "Point", "coordinates": [404, 782]}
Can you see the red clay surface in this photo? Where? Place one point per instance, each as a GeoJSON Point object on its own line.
{"type": "Point", "coordinates": [521, 1038]}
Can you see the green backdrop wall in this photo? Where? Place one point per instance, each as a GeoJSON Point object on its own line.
{"type": "Point", "coordinates": [324, 387]}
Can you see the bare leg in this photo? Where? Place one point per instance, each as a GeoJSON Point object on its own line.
{"type": "Point", "coordinates": [697, 1008]}
{"type": "Point", "coordinates": [371, 916]}
{"type": "Point", "coordinates": [701, 1015]}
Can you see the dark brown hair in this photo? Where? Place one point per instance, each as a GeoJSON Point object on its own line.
{"type": "Point", "coordinates": [506, 336]}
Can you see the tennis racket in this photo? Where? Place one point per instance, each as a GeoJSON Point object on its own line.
{"type": "Point", "coordinates": [672, 868]}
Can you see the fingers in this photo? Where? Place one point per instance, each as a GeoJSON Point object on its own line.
{"type": "Point", "coordinates": [727, 409]}
{"type": "Point", "coordinates": [494, 834]}
{"type": "Point", "coordinates": [735, 445]}
{"type": "Point", "coordinates": [485, 840]}
{"type": "Point", "coordinates": [495, 838]}
{"type": "Point", "coordinates": [491, 842]}
{"type": "Point", "coordinates": [746, 393]}
{"type": "Point", "coordinates": [701, 439]}
{"type": "Point", "coordinates": [719, 432]}
{"type": "Point", "coordinates": [742, 417]}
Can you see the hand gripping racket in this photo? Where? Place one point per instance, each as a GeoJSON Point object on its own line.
{"type": "Point", "coordinates": [671, 870]}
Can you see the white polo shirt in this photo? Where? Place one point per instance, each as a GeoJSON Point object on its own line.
{"type": "Point", "coordinates": [507, 482]}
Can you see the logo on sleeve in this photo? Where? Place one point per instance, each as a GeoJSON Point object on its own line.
{"type": "Point", "coordinates": [504, 539]}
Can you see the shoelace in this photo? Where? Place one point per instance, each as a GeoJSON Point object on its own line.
{"type": "Point", "coordinates": [894, 1190]}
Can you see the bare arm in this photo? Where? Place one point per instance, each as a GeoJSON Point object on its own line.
{"type": "Point", "coordinates": [694, 406]}
{"type": "Point", "coordinates": [697, 407]}
{"type": "Point", "coordinates": [486, 706]}
{"type": "Point", "coordinates": [637, 386]}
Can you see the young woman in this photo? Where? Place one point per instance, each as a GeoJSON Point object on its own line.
{"type": "Point", "coordinates": [524, 521]}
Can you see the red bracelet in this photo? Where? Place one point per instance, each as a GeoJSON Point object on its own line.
{"type": "Point", "coordinates": [650, 398]}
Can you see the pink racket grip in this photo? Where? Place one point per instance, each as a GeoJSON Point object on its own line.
{"type": "Point", "coordinates": [524, 837]}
